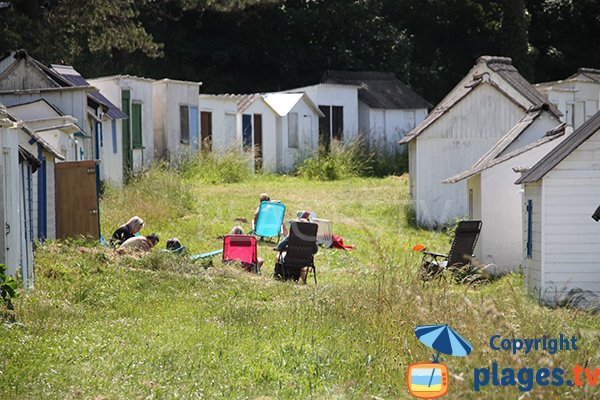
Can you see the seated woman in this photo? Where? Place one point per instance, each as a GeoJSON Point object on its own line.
{"type": "Point", "coordinates": [296, 273]}
{"type": "Point", "coordinates": [143, 243]}
{"type": "Point", "coordinates": [127, 231]}
{"type": "Point", "coordinates": [238, 230]}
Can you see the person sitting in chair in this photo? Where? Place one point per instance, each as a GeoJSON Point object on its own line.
{"type": "Point", "coordinates": [238, 230]}
{"type": "Point", "coordinates": [265, 197]}
{"type": "Point", "coordinates": [295, 274]}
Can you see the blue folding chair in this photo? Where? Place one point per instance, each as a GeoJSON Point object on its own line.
{"type": "Point", "coordinates": [270, 219]}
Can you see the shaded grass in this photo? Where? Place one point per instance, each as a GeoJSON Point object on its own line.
{"type": "Point", "coordinates": [100, 325]}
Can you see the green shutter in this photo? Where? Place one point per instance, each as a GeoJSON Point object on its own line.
{"type": "Point", "coordinates": [136, 125]}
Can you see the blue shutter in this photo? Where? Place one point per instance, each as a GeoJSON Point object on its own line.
{"type": "Point", "coordinates": [113, 126]}
{"type": "Point", "coordinates": [247, 131]}
{"type": "Point", "coordinates": [529, 228]}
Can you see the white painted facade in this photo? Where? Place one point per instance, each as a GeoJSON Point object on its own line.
{"type": "Point", "coordinates": [384, 128]}
{"type": "Point", "coordinates": [141, 93]}
{"type": "Point", "coordinates": [341, 96]}
{"type": "Point", "coordinates": [453, 144]}
{"type": "Point", "coordinates": [297, 128]}
{"type": "Point", "coordinates": [496, 200]}
{"type": "Point", "coordinates": [16, 243]}
{"type": "Point", "coordinates": [480, 109]}
{"type": "Point", "coordinates": [270, 138]}
{"type": "Point", "coordinates": [565, 239]}
{"type": "Point", "coordinates": [55, 128]}
{"type": "Point", "coordinates": [576, 97]}
{"type": "Point", "coordinates": [168, 96]}
{"type": "Point", "coordinates": [226, 135]}
{"type": "Point", "coordinates": [111, 152]}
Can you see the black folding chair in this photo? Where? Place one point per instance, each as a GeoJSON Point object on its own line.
{"type": "Point", "coordinates": [301, 248]}
{"type": "Point", "coordinates": [461, 252]}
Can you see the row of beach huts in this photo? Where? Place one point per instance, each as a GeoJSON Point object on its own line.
{"type": "Point", "coordinates": [62, 136]}
{"type": "Point", "coordinates": [523, 158]}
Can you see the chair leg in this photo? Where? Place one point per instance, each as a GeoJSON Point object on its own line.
{"type": "Point", "coordinates": [314, 269]}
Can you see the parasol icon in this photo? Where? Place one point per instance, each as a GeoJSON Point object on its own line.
{"type": "Point", "coordinates": [443, 339]}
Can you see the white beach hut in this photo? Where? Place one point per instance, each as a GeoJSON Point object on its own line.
{"type": "Point", "coordinates": [481, 108]}
{"type": "Point", "coordinates": [492, 196]}
{"type": "Point", "coordinates": [561, 240]}
{"type": "Point", "coordinates": [133, 96]}
{"type": "Point", "coordinates": [176, 120]}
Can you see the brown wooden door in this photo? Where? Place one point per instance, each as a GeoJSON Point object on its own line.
{"type": "Point", "coordinates": [77, 200]}
{"type": "Point", "coordinates": [206, 130]}
{"type": "Point", "coordinates": [258, 154]}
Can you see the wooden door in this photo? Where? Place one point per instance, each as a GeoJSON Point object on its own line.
{"type": "Point", "coordinates": [258, 153]}
{"type": "Point", "coordinates": [77, 211]}
{"type": "Point", "coordinates": [206, 130]}
{"type": "Point", "coordinates": [325, 127]}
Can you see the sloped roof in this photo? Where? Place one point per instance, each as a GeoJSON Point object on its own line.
{"type": "Point", "coordinates": [590, 73]}
{"type": "Point", "coordinates": [283, 103]}
{"type": "Point", "coordinates": [378, 89]}
{"type": "Point", "coordinates": [33, 135]}
{"type": "Point", "coordinates": [503, 66]}
{"type": "Point", "coordinates": [560, 152]}
{"type": "Point", "coordinates": [497, 154]}
{"type": "Point", "coordinates": [506, 71]}
{"type": "Point", "coordinates": [245, 100]}
{"type": "Point", "coordinates": [75, 79]}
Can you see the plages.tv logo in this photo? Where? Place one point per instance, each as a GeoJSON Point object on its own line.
{"type": "Point", "coordinates": [429, 380]}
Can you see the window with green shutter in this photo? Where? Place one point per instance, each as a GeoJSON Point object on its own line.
{"type": "Point", "coordinates": [136, 125]}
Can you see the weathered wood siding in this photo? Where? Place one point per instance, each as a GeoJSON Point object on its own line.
{"type": "Point", "coordinates": [453, 144]}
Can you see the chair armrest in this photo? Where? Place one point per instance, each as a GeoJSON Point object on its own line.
{"type": "Point", "coordinates": [435, 255]}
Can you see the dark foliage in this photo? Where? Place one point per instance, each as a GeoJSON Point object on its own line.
{"type": "Point", "coordinates": [255, 46]}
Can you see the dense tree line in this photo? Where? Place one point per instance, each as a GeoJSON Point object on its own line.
{"type": "Point", "coordinates": [250, 45]}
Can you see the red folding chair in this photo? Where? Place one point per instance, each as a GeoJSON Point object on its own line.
{"type": "Point", "coordinates": [241, 248]}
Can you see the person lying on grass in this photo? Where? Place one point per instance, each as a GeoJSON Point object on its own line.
{"type": "Point", "coordinates": [143, 243]}
{"type": "Point", "coordinates": [296, 273]}
{"type": "Point", "coordinates": [127, 231]}
{"type": "Point", "coordinates": [238, 230]}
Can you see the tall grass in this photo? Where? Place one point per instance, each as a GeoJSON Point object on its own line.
{"type": "Point", "coordinates": [100, 325]}
{"type": "Point", "coordinates": [230, 166]}
{"type": "Point", "coordinates": [341, 161]}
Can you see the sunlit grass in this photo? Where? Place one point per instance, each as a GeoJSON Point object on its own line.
{"type": "Point", "coordinates": [103, 326]}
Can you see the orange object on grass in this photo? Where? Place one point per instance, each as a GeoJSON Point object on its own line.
{"type": "Point", "coordinates": [418, 247]}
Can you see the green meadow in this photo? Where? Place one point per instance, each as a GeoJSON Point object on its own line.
{"type": "Point", "coordinates": [100, 325]}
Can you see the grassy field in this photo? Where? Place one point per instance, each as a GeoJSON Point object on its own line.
{"type": "Point", "coordinates": [100, 325]}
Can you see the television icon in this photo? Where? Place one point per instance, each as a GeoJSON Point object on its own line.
{"type": "Point", "coordinates": [427, 380]}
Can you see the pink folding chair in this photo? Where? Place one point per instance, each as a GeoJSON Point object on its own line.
{"type": "Point", "coordinates": [241, 248]}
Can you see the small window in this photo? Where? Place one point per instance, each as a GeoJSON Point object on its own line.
{"type": "Point", "coordinates": [529, 228]}
{"type": "Point", "coordinates": [184, 123]}
{"type": "Point", "coordinates": [293, 130]}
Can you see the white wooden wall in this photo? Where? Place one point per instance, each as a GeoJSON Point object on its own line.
{"type": "Point", "coordinates": [308, 136]}
{"type": "Point", "coordinates": [338, 95]}
{"type": "Point", "coordinates": [571, 240]}
{"type": "Point", "coordinates": [224, 122]}
{"type": "Point", "coordinates": [269, 133]}
{"type": "Point", "coordinates": [452, 145]}
{"type": "Point", "coordinates": [533, 265]}
{"type": "Point", "coordinates": [170, 95]}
